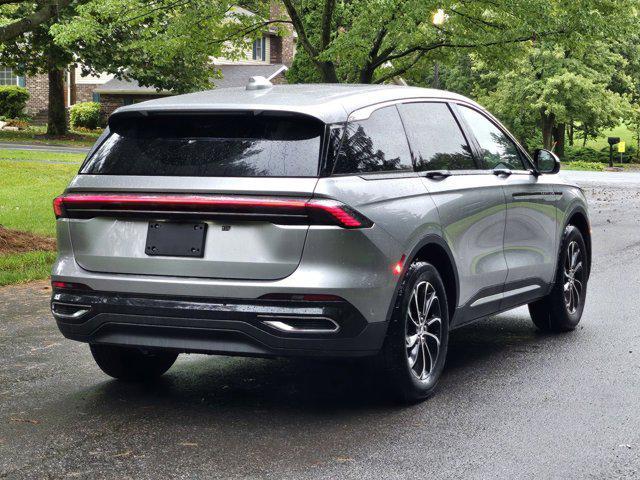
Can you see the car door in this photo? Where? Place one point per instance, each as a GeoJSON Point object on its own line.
{"type": "Point", "coordinates": [470, 201]}
{"type": "Point", "coordinates": [529, 239]}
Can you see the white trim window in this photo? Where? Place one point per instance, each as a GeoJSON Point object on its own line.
{"type": "Point", "coordinates": [8, 77]}
{"type": "Point", "coordinates": [259, 49]}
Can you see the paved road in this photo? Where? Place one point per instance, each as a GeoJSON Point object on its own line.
{"type": "Point", "coordinates": [513, 403]}
{"type": "Point", "coordinates": [42, 147]}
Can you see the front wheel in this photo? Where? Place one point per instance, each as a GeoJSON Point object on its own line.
{"type": "Point", "coordinates": [561, 309]}
{"type": "Point", "coordinates": [130, 363]}
{"type": "Point", "coordinates": [416, 345]}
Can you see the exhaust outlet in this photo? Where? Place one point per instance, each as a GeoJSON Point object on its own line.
{"type": "Point", "coordinates": [296, 324]}
{"type": "Point", "coordinates": [69, 311]}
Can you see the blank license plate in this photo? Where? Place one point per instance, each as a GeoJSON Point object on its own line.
{"type": "Point", "coordinates": [172, 239]}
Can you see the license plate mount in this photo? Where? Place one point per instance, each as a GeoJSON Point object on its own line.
{"type": "Point", "coordinates": [176, 239]}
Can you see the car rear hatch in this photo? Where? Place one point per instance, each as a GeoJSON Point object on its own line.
{"type": "Point", "coordinates": [215, 195]}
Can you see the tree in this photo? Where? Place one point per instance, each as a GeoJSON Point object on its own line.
{"type": "Point", "coordinates": [552, 86]}
{"type": "Point", "coordinates": [166, 44]}
{"type": "Point", "coordinates": [373, 41]}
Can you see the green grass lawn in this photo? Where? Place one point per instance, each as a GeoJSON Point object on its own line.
{"type": "Point", "coordinates": [25, 267]}
{"type": "Point", "coordinates": [36, 134]}
{"type": "Point", "coordinates": [26, 192]}
{"type": "Point", "coordinates": [35, 155]}
{"type": "Point", "coordinates": [601, 142]}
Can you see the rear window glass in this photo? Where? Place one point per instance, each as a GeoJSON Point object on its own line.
{"type": "Point", "coordinates": [237, 145]}
{"type": "Point", "coordinates": [377, 144]}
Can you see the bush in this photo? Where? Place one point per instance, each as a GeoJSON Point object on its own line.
{"type": "Point", "coordinates": [13, 100]}
{"type": "Point", "coordinates": [588, 154]}
{"type": "Point", "coordinates": [85, 115]}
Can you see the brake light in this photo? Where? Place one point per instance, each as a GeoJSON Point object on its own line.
{"type": "Point", "coordinates": [282, 210]}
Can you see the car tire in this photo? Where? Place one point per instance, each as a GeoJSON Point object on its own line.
{"type": "Point", "coordinates": [132, 364]}
{"type": "Point", "coordinates": [414, 337]}
{"type": "Point", "coordinates": [561, 309]}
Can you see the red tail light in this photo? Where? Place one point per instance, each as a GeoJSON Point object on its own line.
{"type": "Point", "coordinates": [279, 210]}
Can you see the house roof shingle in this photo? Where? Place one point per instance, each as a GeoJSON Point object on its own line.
{"type": "Point", "coordinates": [232, 76]}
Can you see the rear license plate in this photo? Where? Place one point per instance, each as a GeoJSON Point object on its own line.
{"type": "Point", "coordinates": [172, 239]}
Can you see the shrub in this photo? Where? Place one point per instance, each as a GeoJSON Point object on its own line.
{"type": "Point", "coordinates": [85, 115]}
{"type": "Point", "coordinates": [13, 100]}
{"type": "Point", "coordinates": [588, 154]}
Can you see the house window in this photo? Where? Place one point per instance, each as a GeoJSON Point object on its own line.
{"type": "Point", "coordinates": [259, 47]}
{"type": "Point", "coordinates": [7, 77]}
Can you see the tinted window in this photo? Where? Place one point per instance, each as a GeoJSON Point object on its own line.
{"type": "Point", "coordinates": [377, 144]}
{"type": "Point", "coordinates": [436, 139]}
{"type": "Point", "coordinates": [498, 150]}
{"type": "Point", "coordinates": [239, 145]}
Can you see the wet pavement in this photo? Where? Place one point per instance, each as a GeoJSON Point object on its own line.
{"type": "Point", "coordinates": [512, 403]}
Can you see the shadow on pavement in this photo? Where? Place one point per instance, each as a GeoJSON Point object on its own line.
{"type": "Point", "coordinates": [304, 386]}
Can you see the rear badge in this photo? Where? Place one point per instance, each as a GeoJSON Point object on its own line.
{"type": "Point", "coordinates": [226, 228]}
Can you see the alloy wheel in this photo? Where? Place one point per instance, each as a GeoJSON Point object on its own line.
{"type": "Point", "coordinates": [423, 330]}
{"type": "Point", "coordinates": [573, 277]}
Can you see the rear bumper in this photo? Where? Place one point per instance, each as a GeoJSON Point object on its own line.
{"type": "Point", "coordinates": [216, 326]}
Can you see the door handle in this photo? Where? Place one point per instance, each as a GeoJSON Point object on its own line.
{"type": "Point", "coordinates": [502, 172]}
{"type": "Point", "coordinates": [436, 174]}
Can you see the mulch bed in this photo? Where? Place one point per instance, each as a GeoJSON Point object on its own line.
{"type": "Point", "coordinates": [15, 241]}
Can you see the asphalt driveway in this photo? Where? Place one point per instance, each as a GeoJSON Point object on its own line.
{"type": "Point", "coordinates": [512, 403]}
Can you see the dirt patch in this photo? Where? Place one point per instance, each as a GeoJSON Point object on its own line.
{"type": "Point", "coordinates": [15, 241]}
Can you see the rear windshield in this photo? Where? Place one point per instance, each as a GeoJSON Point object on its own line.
{"type": "Point", "coordinates": [224, 145]}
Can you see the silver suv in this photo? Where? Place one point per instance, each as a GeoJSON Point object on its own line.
{"type": "Point", "coordinates": [311, 220]}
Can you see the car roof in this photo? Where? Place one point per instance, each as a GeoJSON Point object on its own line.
{"type": "Point", "coordinates": [329, 103]}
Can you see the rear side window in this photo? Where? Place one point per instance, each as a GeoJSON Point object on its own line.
{"type": "Point", "coordinates": [498, 151]}
{"type": "Point", "coordinates": [435, 137]}
{"type": "Point", "coordinates": [377, 144]}
{"type": "Point", "coordinates": [225, 145]}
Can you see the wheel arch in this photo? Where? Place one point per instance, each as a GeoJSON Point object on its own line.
{"type": "Point", "coordinates": [434, 250]}
{"type": "Point", "coordinates": [579, 218]}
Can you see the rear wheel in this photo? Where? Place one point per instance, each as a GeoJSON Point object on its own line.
{"type": "Point", "coordinates": [561, 309]}
{"type": "Point", "coordinates": [130, 363]}
{"type": "Point", "coordinates": [416, 345]}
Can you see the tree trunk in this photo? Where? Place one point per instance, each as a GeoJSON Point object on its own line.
{"type": "Point", "coordinates": [328, 72]}
{"type": "Point", "coordinates": [558, 138]}
{"type": "Point", "coordinates": [57, 117]}
{"type": "Point", "coordinates": [547, 123]}
{"type": "Point", "coordinates": [436, 75]}
{"type": "Point", "coordinates": [571, 132]}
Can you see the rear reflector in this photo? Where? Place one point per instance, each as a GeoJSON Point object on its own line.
{"type": "Point", "coordinates": [277, 210]}
{"type": "Point", "coordinates": [68, 286]}
{"type": "Point", "coordinates": [302, 297]}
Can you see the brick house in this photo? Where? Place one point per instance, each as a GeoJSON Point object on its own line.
{"type": "Point", "coordinates": [269, 56]}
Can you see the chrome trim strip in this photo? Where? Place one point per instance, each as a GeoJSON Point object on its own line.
{"type": "Point", "coordinates": [279, 322]}
{"type": "Point", "coordinates": [82, 310]}
{"type": "Point", "coordinates": [507, 294]}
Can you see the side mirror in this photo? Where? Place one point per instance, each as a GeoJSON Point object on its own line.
{"type": "Point", "coordinates": [546, 161]}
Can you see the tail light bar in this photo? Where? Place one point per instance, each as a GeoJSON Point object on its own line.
{"type": "Point", "coordinates": [276, 209]}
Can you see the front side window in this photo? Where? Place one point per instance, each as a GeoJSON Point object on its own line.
{"type": "Point", "coordinates": [7, 77]}
{"type": "Point", "coordinates": [209, 145]}
{"type": "Point", "coordinates": [377, 144]}
{"type": "Point", "coordinates": [498, 150]}
{"type": "Point", "coordinates": [435, 137]}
